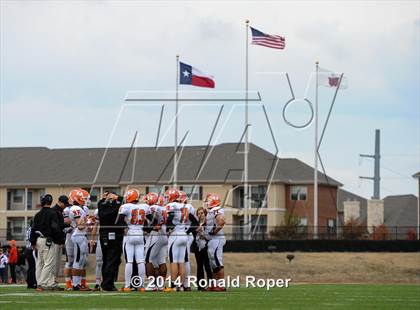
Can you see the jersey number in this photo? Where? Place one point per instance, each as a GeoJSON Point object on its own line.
{"type": "Point", "coordinates": [76, 213]}
{"type": "Point", "coordinates": [137, 217]}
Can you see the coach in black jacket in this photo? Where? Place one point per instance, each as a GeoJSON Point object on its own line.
{"type": "Point", "coordinates": [45, 235]}
{"type": "Point", "coordinates": [63, 202]}
{"type": "Point", "coordinates": [111, 238]}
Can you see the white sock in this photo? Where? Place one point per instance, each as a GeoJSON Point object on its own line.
{"type": "Point", "coordinates": [76, 280]}
{"type": "Point", "coordinates": [98, 274]}
{"type": "Point", "coordinates": [142, 272]}
{"type": "Point", "coordinates": [128, 274]}
{"type": "Point", "coordinates": [187, 273]}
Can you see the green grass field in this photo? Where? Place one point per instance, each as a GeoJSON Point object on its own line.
{"type": "Point", "coordinates": [311, 296]}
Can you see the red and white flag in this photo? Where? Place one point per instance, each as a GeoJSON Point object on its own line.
{"type": "Point", "coordinates": [188, 75]}
{"type": "Point", "coordinates": [331, 79]}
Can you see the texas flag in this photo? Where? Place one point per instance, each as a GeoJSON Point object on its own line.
{"type": "Point", "coordinates": [188, 75]}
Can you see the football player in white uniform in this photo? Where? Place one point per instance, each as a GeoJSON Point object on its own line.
{"type": "Point", "coordinates": [178, 216]}
{"type": "Point", "coordinates": [90, 220]}
{"type": "Point", "coordinates": [78, 216]}
{"type": "Point", "coordinates": [69, 249]}
{"type": "Point", "coordinates": [183, 198]}
{"type": "Point", "coordinates": [214, 230]}
{"type": "Point", "coordinates": [135, 216]}
{"type": "Point", "coordinates": [98, 251]}
{"type": "Point", "coordinates": [157, 243]}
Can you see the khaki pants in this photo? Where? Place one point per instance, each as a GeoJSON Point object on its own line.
{"type": "Point", "coordinates": [45, 264]}
{"type": "Point", "coordinates": [58, 250]}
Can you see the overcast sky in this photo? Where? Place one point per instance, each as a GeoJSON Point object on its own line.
{"type": "Point", "coordinates": [66, 67]}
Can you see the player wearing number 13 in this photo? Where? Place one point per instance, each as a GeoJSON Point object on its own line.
{"type": "Point", "coordinates": [135, 216]}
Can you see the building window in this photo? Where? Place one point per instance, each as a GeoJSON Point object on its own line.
{"type": "Point", "coordinates": [34, 197]}
{"type": "Point", "coordinates": [259, 227]}
{"type": "Point", "coordinates": [94, 195]}
{"type": "Point", "coordinates": [331, 227]}
{"type": "Point", "coordinates": [158, 189]}
{"type": "Point", "coordinates": [303, 221]}
{"type": "Point", "coordinates": [16, 229]}
{"type": "Point", "coordinates": [15, 199]}
{"type": "Point", "coordinates": [238, 227]}
{"type": "Point", "coordinates": [257, 196]}
{"type": "Point", "coordinates": [194, 192]}
{"type": "Point", "coordinates": [298, 192]}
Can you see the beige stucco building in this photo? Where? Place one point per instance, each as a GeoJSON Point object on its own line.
{"type": "Point", "coordinates": [27, 173]}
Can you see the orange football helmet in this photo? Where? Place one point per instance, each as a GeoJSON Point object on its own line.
{"type": "Point", "coordinates": [132, 195]}
{"type": "Point", "coordinates": [207, 197]}
{"type": "Point", "coordinates": [151, 198]}
{"type": "Point", "coordinates": [86, 195]}
{"type": "Point", "coordinates": [182, 197]}
{"type": "Point", "coordinates": [161, 201]}
{"type": "Point", "coordinates": [77, 197]}
{"type": "Point", "coordinates": [213, 200]}
{"type": "Point", "coordinates": [171, 195]}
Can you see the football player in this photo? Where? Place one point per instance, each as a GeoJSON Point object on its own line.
{"type": "Point", "coordinates": [157, 242]}
{"type": "Point", "coordinates": [98, 252]}
{"type": "Point", "coordinates": [214, 230]}
{"type": "Point", "coordinates": [78, 216]}
{"type": "Point", "coordinates": [68, 267]}
{"type": "Point", "coordinates": [90, 224]}
{"type": "Point", "coordinates": [135, 216]}
{"type": "Point", "coordinates": [183, 198]}
{"type": "Point", "coordinates": [178, 216]}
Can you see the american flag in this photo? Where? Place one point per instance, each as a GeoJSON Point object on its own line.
{"type": "Point", "coordinates": [273, 41]}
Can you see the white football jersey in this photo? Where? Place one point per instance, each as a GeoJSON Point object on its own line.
{"type": "Point", "coordinates": [86, 209]}
{"type": "Point", "coordinates": [75, 213]}
{"type": "Point", "coordinates": [66, 214]}
{"type": "Point", "coordinates": [211, 222]}
{"type": "Point", "coordinates": [135, 215]}
{"type": "Point", "coordinates": [181, 214]}
{"type": "Point", "coordinates": [96, 215]}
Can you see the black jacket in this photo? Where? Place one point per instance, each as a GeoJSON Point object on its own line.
{"type": "Point", "coordinates": [61, 224]}
{"type": "Point", "coordinates": [108, 214]}
{"type": "Point", "coordinates": [46, 222]}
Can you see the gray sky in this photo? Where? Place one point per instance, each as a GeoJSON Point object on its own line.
{"type": "Point", "coordinates": [66, 67]}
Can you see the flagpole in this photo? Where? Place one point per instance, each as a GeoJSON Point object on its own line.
{"type": "Point", "coordinates": [247, 221]}
{"type": "Point", "coordinates": [316, 157]}
{"type": "Point", "coordinates": [175, 179]}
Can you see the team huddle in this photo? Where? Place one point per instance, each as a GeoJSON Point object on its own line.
{"type": "Point", "coordinates": [156, 229]}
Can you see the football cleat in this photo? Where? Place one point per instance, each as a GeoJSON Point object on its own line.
{"type": "Point", "coordinates": [97, 287]}
{"type": "Point", "coordinates": [85, 288]}
{"type": "Point", "coordinates": [125, 289]}
{"type": "Point", "coordinates": [151, 288]}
